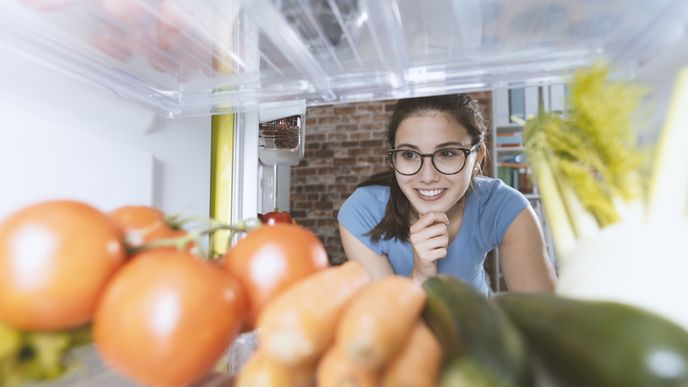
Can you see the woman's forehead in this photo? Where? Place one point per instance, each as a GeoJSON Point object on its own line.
{"type": "Point", "coordinates": [430, 129]}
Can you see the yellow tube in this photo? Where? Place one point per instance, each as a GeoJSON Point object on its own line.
{"type": "Point", "coordinates": [221, 175]}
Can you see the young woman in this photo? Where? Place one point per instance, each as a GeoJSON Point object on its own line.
{"type": "Point", "coordinates": [431, 212]}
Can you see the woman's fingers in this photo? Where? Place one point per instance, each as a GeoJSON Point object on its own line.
{"type": "Point", "coordinates": [438, 242]}
{"type": "Point", "coordinates": [436, 230]}
{"type": "Point", "coordinates": [430, 237]}
{"type": "Point", "coordinates": [428, 219]}
{"type": "Point", "coordinates": [425, 253]}
{"type": "Point", "coordinates": [432, 242]}
{"type": "Point", "coordinates": [432, 249]}
{"type": "Point", "coordinates": [435, 254]}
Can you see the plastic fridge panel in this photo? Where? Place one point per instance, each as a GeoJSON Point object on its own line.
{"type": "Point", "coordinates": [200, 57]}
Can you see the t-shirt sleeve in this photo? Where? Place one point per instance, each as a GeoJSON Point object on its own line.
{"type": "Point", "coordinates": [499, 211]}
{"type": "Point", "coordinates": [360, 213]}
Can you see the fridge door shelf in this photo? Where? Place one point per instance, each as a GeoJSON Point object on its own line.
{"type": "Point", "coordinates": [200, 57]}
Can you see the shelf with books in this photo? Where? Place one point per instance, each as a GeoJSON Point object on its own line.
{"type": "Point", "coordinates": [510, 106]}
{"type": "Point", "coordinates": [509, 161]}
{"type": "Point", "coordinates": [506, 138]}
{"type": "Point", "coordinates": [509, 149]}
{"type": "Point", "coordinates": [517, 175]}
{"type": "Point", "coordinates": [513, 168]}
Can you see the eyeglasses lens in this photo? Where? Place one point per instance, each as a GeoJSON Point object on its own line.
{"type": "Point", "coordinates": [446, 161]}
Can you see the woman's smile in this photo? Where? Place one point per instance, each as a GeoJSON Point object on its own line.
{"type": "Point", "coordinates": [430, 195]}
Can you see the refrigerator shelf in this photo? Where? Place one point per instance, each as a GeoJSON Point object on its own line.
{"type": "Point", "coordinates": [201, 57]}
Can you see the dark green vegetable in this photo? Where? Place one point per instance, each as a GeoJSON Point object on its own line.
{"type": "Point", "coordinates": [480, 346]}
{"type": "Point", "coordinates": [605, 344]}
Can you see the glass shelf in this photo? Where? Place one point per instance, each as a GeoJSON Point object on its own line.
{"type": "Point", "coordinates": [200, 57]}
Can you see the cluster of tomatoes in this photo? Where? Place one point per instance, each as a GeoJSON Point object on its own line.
{"type": "Point", "coordinates": [160, 315]}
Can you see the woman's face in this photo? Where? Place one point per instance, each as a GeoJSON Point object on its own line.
{"type": "Point", "coordinates": [430, 190]}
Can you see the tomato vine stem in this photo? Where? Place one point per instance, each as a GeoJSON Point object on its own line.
{"type": "Point", "coordinates": [182, 242]}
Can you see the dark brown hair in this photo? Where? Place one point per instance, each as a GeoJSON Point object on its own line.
{"type": "Point", "coordinates": [460, 107]}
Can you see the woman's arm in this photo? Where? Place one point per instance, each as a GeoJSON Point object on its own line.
{"type": "Point", "coordinates": [523, 256]}
{"type": "Point", "coordinates": [377, 265]}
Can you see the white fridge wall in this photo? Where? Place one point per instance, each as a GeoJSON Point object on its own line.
{"type": "Point", "coordinates": [64, 138]}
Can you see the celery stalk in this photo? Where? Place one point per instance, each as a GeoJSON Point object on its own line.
{"type": "Point", "coordinates": [669, 181]}
{"type": "Point", "coordinates": [591, 155]}
{"type": "Point", "coordinates": [583, 222]}
{"type": "Point", "coordinates": [563, 235]}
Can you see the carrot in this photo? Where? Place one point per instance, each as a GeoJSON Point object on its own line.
{"type": "Point", "coordinates": [337, 370]}
{"type": "Point", "coordinates": [418, 362]}
{"type": "Point", "coordinates": [378, 320]}
{"type": "Point", "coordinates": [261, 371]}
{"type": "Point", "coordinates": [298, 325]}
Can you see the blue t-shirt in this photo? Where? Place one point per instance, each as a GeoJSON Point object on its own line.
{"type": "Point", "coordinates": [490, 208]}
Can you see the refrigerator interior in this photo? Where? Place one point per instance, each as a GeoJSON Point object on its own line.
{"type": "Point", "coordinates": [111, 101]}
{"type": "Point", "coordinates": [99, 80]}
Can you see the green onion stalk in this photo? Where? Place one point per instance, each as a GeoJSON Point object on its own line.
{"type": "Point", "coordinates": [616, 225]}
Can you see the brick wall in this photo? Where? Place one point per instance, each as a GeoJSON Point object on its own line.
{"type": "Point", "coordinates": [345, 144]}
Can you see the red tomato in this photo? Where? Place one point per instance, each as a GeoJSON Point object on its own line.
{"type": "Point", "coordinates": [271, 258]}
{"type": "Point", "coordinates": [55, 260]}
{"type": "Point", "coordinates": [275, 217]}
{"type": "Point", "coordinates": [143, 224]}
{"type": "Point", "coordinates": [167, 317]}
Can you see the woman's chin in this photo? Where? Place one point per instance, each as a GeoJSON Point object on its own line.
{"type": "Point", "coordinates": [424, 207]}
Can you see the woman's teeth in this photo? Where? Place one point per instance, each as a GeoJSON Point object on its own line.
{"type": "Point", "coordinates": [430, 192]}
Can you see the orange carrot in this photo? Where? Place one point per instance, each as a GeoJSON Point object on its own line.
{"type": "Point", "coordinates": [418, 362]}
{"type": "Point", "coordinates": [337, 370]}
{"type": "Point", "coordinates": [298, 325]}
{"type": "Point", "coordinates": [261, 371]}
{"type": "Point", "coordinates": [379, 319]}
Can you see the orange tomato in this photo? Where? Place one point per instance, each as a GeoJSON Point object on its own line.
{"type": "Point", "coordinates": [143, 224]}
{"type": "Point", "coordinates": [271, 258]}
{"type": "Point", "coordinates": [55, 260]}
{"type": "Point", "coordinates": [167, 317]}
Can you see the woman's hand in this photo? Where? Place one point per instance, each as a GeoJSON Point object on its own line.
{"type": "Point", "coordinates": [429, 238]}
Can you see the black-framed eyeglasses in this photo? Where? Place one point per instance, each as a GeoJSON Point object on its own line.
{"type": "Point", "coordinates": [447, 161]}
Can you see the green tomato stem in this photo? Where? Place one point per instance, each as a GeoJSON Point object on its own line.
{"type": "Point", "coordinates": [213, 226]}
